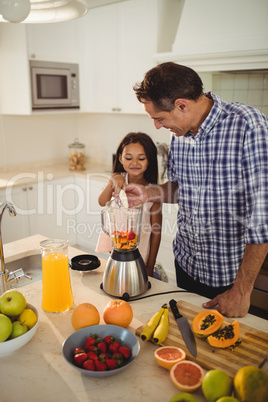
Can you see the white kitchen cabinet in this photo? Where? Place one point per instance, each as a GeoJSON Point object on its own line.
{"type": "Point", "coordinates": [88, 212]}
{"type": "Point", "coordinates": [46, 208]}
{"type": "Point", "coordinates": [120, 41]}
{"type": "Point", "coordinates": [17, 227]}
{"type": "Point", "coordinates": [54, 42]}
{"type": "Point", "coordinates": [165, 254]}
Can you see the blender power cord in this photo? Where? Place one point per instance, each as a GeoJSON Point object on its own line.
{"type": "Point", "coordinates": [159, 294]}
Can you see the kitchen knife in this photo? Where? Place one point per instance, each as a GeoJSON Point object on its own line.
{"type": "Point", "coordinates": [185, 328]}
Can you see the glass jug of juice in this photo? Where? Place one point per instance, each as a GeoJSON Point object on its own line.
{"type": "Point", "coordinates": [56, 284]}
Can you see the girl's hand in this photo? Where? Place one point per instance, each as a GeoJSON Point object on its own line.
{"type": "Point", "coordinates": [117, 182]}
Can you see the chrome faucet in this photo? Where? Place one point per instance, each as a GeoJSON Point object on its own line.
{"type": "Point", "coordinates": [5, 277]}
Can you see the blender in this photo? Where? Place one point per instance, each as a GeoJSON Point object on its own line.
{"type": "Point", "coordinates": [125, 273]}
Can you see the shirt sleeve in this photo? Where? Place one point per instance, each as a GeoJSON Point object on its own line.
{"type": "Point", "coordinates": [255, 176]}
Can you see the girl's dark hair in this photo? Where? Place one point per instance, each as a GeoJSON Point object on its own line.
{"type": "Point", "coordinates": [151, 173]}
{"type": "Point", "coordinates": [167, 82]}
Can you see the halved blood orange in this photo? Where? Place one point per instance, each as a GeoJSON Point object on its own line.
{"type": "Point", "coordinates": [167, 356]}
{"type": "Point", "coordinates": [187, 375]}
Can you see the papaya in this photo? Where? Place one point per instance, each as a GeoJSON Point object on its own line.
{"type": "Point", "coordinates": [225, 337]}
{"type": "Point", "coordinates": [251, 384]}
{"type": "Point", "coordinates": [206, 323]}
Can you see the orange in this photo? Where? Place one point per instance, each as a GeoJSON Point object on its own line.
{"type": "Point", "coordinates": [118, 312]}
{"type": "Point", "coordinates": [187, 375]}
{"type": "Point", "coordinates": [85, 315]}
{"type": "Point", "coordinates": [167, 356]}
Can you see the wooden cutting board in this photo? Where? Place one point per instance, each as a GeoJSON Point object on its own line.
{"type": "Point", "coordinates": [252, 351]}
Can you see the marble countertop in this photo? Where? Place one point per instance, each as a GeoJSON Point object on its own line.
{"type": "Point", "coordinates": [25, 174]}
{"type": "Point", "coordinates": [38, 371]}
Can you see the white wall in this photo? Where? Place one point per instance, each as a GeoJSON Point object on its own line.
{"type": "Point", "coordinates": [41, 138]}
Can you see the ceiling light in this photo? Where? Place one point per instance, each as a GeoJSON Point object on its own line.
{"type": "Point", "coordinates": [41, 11]}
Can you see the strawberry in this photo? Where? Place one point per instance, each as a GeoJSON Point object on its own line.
{"type": "Point", "coordinates": [102, 347]}
{"type": "Point", "coordinates": [114, 347]}
{"type": "Point", "coordinates": [78, 350]}
{"type": "Point", "coordinates": [108, 339]}
{"type": "Point", "coordinates": [89, 342]}
{"type": "Point", "coordinates": [100, 366]}
{"type": "Point", "coordinates": [79, 359]}
{"type": "Point", "coordinates": [92, 355]}
{"type": "Point", "coordinates": [103, 357]}
{"type": "Point", "coordinates": [125, 351]}
{"type": "Point", "coordinates": [119, 358]}
{"type": "Point", "coordinates": [92, 348]}
{"type": "Point", "coordinates": [131, 235]}
{"type": "Point", "coordinates": [89, 365]}
{"type": "Point", "coordinates": [111, 364]}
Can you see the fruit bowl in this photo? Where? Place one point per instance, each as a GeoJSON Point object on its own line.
{"type": "Point", "coordinates": [78, 338]}
{"type": "Point", "coordinates": [11, 345]}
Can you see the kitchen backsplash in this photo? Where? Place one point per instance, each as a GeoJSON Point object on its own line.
{"type": "Point", "coordinates": [249, 88]}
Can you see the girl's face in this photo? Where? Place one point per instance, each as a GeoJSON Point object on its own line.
{"type": "Point", "coordinates": [134, 159]}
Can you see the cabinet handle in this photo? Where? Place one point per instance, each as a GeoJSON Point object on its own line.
{"type": "Point", "coordinates": [116, 109]}
{"type": "Point", "coordinates": [30, 188]}
{"type": "Point", "coordinates": [24, 188]}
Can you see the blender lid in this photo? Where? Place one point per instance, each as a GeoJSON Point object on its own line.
{"type": "Point", "coordinates": [85, 262]}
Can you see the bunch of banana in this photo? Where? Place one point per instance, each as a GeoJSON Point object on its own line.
{"type": "Point", "coordinates": [157, 327]}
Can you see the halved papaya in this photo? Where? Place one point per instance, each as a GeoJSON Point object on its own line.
{"type": "Point", "coordinates": [225, 337]}
{"type": "Point", "coordinates": [206, 323]}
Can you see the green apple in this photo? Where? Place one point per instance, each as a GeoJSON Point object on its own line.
{"type": "Point", "coordinates": [18, 329]}
{"type": "Point", "coordinates": [12, 302]}
{"type": "Point", "coordinates": [183, 397]}
{"type": "Point", "coordinates": [216, 383]}
{"type": "Point", "coordinates": [5, 327]}
{"type": "Point", "coordinates": [227, 399]}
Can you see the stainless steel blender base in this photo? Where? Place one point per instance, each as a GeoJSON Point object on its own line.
{"type": "Point", "coordinates": [125, 279]}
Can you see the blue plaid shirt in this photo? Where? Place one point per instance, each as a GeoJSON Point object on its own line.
{"type": "Point", "coordinates": [222, 178]}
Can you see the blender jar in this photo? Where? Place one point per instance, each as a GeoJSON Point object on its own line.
{"type": "Point", "coordinates": [123, 225]}
{"type": "Point", "coordinates": [77, 155]}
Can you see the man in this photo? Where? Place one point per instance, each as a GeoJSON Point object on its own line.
{"type": "Point", "coordinates": [218, 175]}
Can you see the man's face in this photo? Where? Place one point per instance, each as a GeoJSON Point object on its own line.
{"type": "Point", "coordinates": [175, 121]}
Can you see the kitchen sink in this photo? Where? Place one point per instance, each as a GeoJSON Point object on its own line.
{"type": "Point", "coordinates": [31, 265]}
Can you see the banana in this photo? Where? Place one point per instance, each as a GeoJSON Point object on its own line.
{"type": "Point", "coordinates": [161, 331]}
{"type": "Point", "coordinates": [151, 325]}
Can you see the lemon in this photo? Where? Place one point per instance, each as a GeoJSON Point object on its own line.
{"type": "Point", "coordinates": [28, 317]}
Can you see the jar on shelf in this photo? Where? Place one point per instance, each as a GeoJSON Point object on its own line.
{"type": "Point", "coordinates": [77, 155]}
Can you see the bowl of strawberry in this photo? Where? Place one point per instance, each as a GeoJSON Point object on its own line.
{"type": "Point", "coordinates": [101, 350]}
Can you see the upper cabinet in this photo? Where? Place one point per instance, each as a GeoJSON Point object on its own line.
{"type": "Point", "coordinates": [120, 41]}
{"type": "Point", "coordinates": [54, 42]}
{"type": "Point", "coordinates": [21, 42]}
{"type": "Point", "coordinates": [114, 46]}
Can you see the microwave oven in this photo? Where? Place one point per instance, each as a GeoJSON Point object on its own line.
{"type": "Point", "coordinates": [54, 85]}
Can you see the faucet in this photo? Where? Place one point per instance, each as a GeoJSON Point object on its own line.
{"type": "Point", "coordinates": [5, 277]}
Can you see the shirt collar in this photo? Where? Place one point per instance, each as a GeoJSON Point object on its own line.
{"type": "Point", "coordinates": [213, 115]}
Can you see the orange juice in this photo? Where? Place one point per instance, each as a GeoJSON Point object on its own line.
{"type": "Point", "coordinates": [57, 292]}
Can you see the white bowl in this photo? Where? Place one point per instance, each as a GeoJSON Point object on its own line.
{"type": "Point", "coordinates": [11, 345]}
{"type": "Point", "coordinates": [78, 338]}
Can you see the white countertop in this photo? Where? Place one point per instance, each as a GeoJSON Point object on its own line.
{"type": "Point", "coordinates": [38, 371]}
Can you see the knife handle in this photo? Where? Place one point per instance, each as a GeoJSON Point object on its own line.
{"type": "Point", "coordinates": [174, 309]}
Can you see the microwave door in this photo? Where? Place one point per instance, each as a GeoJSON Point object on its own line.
{"type": "Point", "coordinates": [51, 87]}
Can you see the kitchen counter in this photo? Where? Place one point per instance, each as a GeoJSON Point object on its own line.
{"type": "Point", "coordinates": [38, 371]}
{"type": "Point", "coordinates": [25, 174]}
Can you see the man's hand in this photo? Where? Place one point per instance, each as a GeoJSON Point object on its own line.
{"type": "Point", "coordinates": [230, 303]}
{"type": "Point", "coordinates": [136, 194]}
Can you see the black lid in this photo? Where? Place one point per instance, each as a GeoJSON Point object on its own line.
{"type": "Point", "coordinates": [85, 262]}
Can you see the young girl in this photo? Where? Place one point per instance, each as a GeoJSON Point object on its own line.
{"type": "Point", "coordinates": [136, 162]}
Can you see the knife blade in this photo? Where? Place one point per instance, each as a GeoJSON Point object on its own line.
{"type": "Point", "coordinates": [185, 328]}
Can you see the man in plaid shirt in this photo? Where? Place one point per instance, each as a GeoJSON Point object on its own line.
{"type": "Point", "coordinates": [218, 175]}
